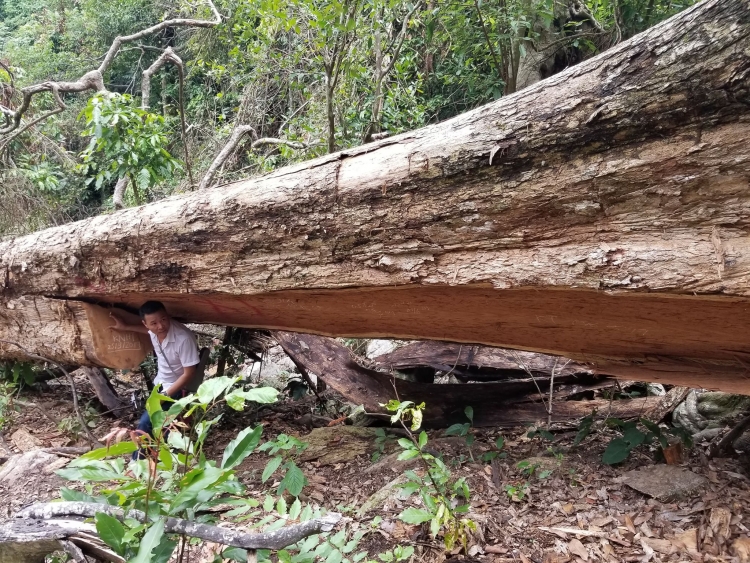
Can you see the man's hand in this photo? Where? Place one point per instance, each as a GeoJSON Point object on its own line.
{"type": "Point", "coordinates": [119, 325]}
{"type": "Point", "coordinates": [124, 326]}
{"type": "Point", "coordinates": [187, 376]}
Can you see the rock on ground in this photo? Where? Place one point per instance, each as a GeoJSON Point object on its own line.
{"type": "Point", "coordinates": [665, 483]}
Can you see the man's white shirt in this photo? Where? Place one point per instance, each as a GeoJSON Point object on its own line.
{"type": "Point", "coordinates": [178, 350]}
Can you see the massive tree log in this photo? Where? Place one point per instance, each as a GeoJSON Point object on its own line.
{"type": "Point", "coordinates": [601, 214]}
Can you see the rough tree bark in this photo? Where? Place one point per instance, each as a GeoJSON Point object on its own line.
{"type": "Point", "coordinates": [478, 363]}
{"type": "Point", "coordinates": [507, 404]}
{"type": "Point", "coordinates": [601, 214]}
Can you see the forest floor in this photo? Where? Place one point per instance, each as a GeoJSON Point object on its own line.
{"type": "Point", "coordinates": [542, 501]}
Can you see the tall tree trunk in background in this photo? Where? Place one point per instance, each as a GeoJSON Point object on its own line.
{"type": "Point", "coordinates": [602, 214]}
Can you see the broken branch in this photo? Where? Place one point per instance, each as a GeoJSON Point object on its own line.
{"type": "Point", "coordinates": [277, 539]}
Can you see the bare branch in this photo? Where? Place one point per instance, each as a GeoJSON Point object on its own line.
{"type": "Point", "coordinates": [239, 132]}
{"type": "Point", "coordinates": [525, 368]}
{"type": "Point", "coordinates": [168, 56]}
{"type": "Point", "coordinates": [237, 135]}
{"type": "Point", "coordinates": [277, 539]}
{"type": "Point", "coordinates": [92, 80]}
{"type": "Point", "coordinates": [120, 187]}
{"type": "Point", "coordinates": [178, 22]}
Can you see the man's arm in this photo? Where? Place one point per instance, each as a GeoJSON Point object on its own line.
{"type": "Point", "coordinates": [187, 351]}
{"type": "Point", "coordinates": [125, 326]}
{"type": "Point", "coordinates": [182, 381]}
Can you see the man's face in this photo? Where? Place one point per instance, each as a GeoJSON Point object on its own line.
{"type": "Point", "coordinates": [158, 322]}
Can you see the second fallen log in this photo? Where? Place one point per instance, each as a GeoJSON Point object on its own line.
{"type": "Point", "coordinates": [509, 403]}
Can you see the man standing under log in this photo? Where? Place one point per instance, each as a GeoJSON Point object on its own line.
{"type": "Point", "coordinates": [176, 352]}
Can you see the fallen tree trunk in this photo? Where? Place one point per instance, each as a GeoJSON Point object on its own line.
{"type": "Point", "coordinates": [479, 363]}
{"type": "Point", "coordinates": [601, 214]}
{"type": "Point", "coordinates": [510, 403]}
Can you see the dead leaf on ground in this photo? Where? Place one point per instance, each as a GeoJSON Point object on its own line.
{"type": "Point", "coordinates": [577, 548]}
{"type": "Point", "coordinates": [719, 519]}
{"type": "Point", "coordinates": [741, 549]}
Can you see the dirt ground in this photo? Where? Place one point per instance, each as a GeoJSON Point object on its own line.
{"type": "Point", "coordinates": [563, 505]}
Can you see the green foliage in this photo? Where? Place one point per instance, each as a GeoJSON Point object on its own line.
{"type": "Point", "coordinates": [517, 492]}
{"type": "Point", "coordinates": [464, 430]}
{"type": "Point", "coordinates": [584, 428]}
{"type": "Point", "coordinates": [399, 553]}
{"type": "Point", "coordinates": [497, 452]}
{"type": "Point", "coordinates": [382, 439]}
{"type": "Point", "coordinates": [125, 141]}
{"type": "Point", "coordinates": [7, 407]}
{"type": "Point", "coordinates": [540, 433]}
{"type": "Point", "coordinates": [181, 480]}
{"type": "Point", "coordinates": [17, 373]}
{"type": "Point", "coordinates": [443, 497]}
{"type": "Point", "coordinates": [282, 450]}
{"type": "Point", "coordinates": [619, 448]}
{"type": "Point", "coordinates": [71, 425]}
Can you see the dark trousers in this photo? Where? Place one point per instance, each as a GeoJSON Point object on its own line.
{"type": "Point", "coordinates": [144, 424]}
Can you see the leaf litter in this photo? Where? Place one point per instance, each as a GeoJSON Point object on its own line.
{"type": "Point", "coordinates": [544, 502]}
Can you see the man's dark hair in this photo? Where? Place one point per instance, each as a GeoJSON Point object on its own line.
{"type": "Point", "coordinates": [151, 307]}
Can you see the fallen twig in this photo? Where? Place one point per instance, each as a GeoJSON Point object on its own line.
{"type": "Point", "coordinates": [278, 539]}
{"type": "Point", "coordinates": [587, 533]}
{"type": "Point", "coordinates": [729, 438]}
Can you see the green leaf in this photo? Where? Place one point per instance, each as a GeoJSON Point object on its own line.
{"type": "Point", "coordinates": [73, 495]}
{"type": "Point", "coordinates": [416, 419]}
{"type": "Point", "coordinates": [241, 447]}
{"type": "Point", "coordinates": [422, 439]}
{"type": "Point", "coordinates": [294, 480]}
{"type": "Point", "coordinates": [194, 483]}
{"type": "Point", "coordinates": [415, 516]}
{"type": "Point", "coordinates": [457, 430]}
{"type": "Point", "coordinates": [547, 435]}
{"type": "Point", "coordinates": [212, 388]}
{"type": "Point", "coordinates": [271, 467]}
{"type": "Point", "coordinates": [633, 437]}
{"type": "Point", "coordinates": [281, 506]}
{"type": "Point", "coordinates": [110, 531]}
{"type": "Point", "coordinates": [163, 552]}
{"type": "Point", "coordinates": [236, 399]}
{"type": "Point", "coordinates": [87, 474]}
{"type": "Point", "coordinates": [268, 503]}
{"type": "Point", "coordinates": [151, 540]}
{"type": "Point", "coordinates": [618, 450]}
{"type": "Point", "coordinates": [235, 554]}
{"type": "Point", "coordinates": [408, 454]}
{"type": "Point", "coordinates": [100, 453]}
{"type": "Point", "coordinates": [338, 539]}
{"type": "Point", "coordinates": [469, 412]}
{"type": "Point", "coordinates": [334, 557]}
{"type": "Point", "coordinates": [262, 395]}
{"type": "Point", "coordinates": [651, 426]}
{"type": "Point", "coordinates": [500, 443]}
{"type": "Point", "coordinates": [406, 443]}
{"type": "Point", "coordinates": [295, 509]}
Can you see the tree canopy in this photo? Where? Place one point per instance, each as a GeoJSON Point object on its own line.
{"type": "Point", "coordinates": [291, 79]}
